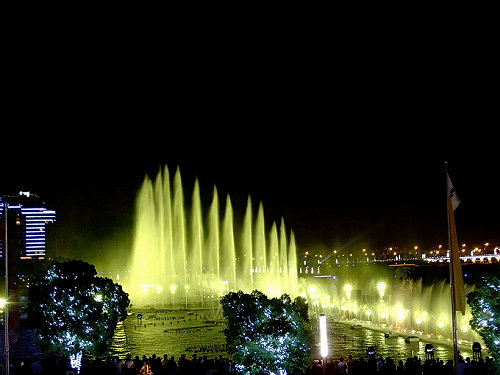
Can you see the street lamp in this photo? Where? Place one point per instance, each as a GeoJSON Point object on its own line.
{"type": "Point", "coordinates": [323, 338]}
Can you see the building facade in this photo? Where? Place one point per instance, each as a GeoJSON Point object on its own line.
{"type": "Point", "coordinates": [30, 227]}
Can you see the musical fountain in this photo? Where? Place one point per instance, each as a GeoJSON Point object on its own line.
{"type": "Point", "coordinates": [186, 256]}
{"type": "Point", "coordinates": [370, 296]}
{"type": "Point", "coordinates": [191, 256]}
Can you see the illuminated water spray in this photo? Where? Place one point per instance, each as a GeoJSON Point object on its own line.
{"type": "Point", "coordinates": [404, 306]}
{"type": "Point", "coordinates": [191, 256]}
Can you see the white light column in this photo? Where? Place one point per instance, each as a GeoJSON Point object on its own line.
{"type": "Point", "coordinates": [323, 337]}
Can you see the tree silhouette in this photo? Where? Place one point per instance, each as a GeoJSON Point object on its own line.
{"type": "Point", "coordinates": [73, 310]}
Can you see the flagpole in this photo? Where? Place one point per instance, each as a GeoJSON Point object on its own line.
{"type": "Point", "coordinates": [6, 322]}
{"type": "Point", "coordinates": [452, 280]}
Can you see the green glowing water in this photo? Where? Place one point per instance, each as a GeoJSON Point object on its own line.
{"type": "Point", "coordinates": [176, 332]}
{"type": "Point", "coordinates": [188, 256]}
{"type": "Point", "coordinates": [185, 255]}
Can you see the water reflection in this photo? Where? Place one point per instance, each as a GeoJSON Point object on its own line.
{"type": "Point", "coordinates": [171, 332]}
{"type": "Point", "coordinates": [343, 340]}
{"type": "Point", "coordinates": [178, 332]}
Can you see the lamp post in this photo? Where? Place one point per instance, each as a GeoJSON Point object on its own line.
{"type": "Point", "coordinates": [6, 306]}
{"type": "Point", "coordinates": [323, 339]}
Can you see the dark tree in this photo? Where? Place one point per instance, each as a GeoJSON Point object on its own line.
{"type": "Point", "coordinates": [74, 310]}
{"type": "Point", "coordinates": [300, 305]}
{"type": "Point", "coordinates": [265, 334]}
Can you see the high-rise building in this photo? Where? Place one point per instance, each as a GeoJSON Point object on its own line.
{"type": "Point", "coordinates": [30, 227]}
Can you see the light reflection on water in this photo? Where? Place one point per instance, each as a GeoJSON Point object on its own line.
{"type": "Point", "coordinates": [169, 332]}
{"type": "Point", "coordinates": [344, 341]}
{"type": "Point", "coordinates": [176, 332]}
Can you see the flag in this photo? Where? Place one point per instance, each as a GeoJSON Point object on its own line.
{"type": "Point", "coordinates": [456, 268]}
{"type": "Point", "coordinates": [455, 201]}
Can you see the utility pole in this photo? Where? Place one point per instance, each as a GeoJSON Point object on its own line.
{"type": "Point", "coordinates": [6, 309]}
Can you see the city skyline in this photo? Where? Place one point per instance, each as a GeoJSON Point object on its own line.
{"type": "Point", "coordinates": [330, 198]}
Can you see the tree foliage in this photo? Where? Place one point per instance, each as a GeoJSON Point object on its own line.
{"type": "Point", "coordinates": [73, 310]}
{"type": "Point", "coordinates": [265, 334]}
{"type": "Point", "coordinates": [485, 309]}
{"type": "Point", "coordinates": [300, 305]}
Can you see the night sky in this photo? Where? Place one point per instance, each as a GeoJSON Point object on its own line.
{"type": "Point", "coordinates": [334, 192]}
{"type": "Point", "coordinates": [350, 154]}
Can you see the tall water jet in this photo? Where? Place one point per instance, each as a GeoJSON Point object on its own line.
{"type": "Point", "coordinates": [274, 287]}
{"type": "Point", "coordinates": [195, 262]}
{"type": "Point", "coordinates": [246, 246]}
{"type": "Point", "coordinates": [227, 260]}
{"type": "Point", "coordinates": [260, 263]}
{"type": "Point", "coordinates": [187, 257]}
{"type": "Point", "coordinates": [293, 282]}
{"type": "Point", "coordinates": [213, 246]}
{"type": "Point", "coordinates": [283, 255]}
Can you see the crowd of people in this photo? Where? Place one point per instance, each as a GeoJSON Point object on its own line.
{"type": "Point", "coordinates": [411, 366]}
{"type": "Point", "coordinates": [153, 365]}
{"type": "Point", "coordinates": [220, 365]}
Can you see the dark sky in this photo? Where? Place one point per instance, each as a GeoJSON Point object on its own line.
{"type": "Point", "coordinates": [349, 148]}
{"type": "Point", "coordinates": [353, 189]}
